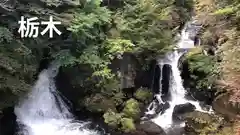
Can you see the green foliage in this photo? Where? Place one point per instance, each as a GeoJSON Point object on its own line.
{"type": "Point", "coordinates": [112, 119]}
{"type": "Point", "coordinates": [118, 121]}
{"type": "Point", "coordinates": [127, 125]}
{"type": "Point", "coordinates": [144, 95]}
{"type": "Point", "coordinates": [116, 47]}
{"type": "Point", "coordinates": [87, 30]}
{"type": "Point", "coordinates": [225, 11]}
{"type": "Point", "coordinates": [99, 103]}
{"type": "Point", "coordinates": [132, 109]}
{"type": "Point", "coordinates": [203, 70]}
{"type": "Point", "coordinates": [142, 22]}
{"type": "Point", "coordinates": [5, 35]}
{"type": "Point", "coordinates": [227, 8]}
{"type": "Point", "coordinates": [65, 58]}
{"type": "Point", "coordinates": [139, 27]}
{"type": "Point", "coordinates": [94, 48]}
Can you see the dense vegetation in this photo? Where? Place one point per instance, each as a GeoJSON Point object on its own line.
{"type": "Point", "coordinates": [98, 34]}
{"type": "Point", "coordinates": [95, 35]}
{"type": "Point", "coordinates": [220, 20]}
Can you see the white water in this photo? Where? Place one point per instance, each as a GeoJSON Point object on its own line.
{"type": "Point", "coordinates": [176, 88]}
{"type": "Point", "coordinates": [43, 112]}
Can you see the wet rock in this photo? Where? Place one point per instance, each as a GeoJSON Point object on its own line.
{"type": "Point", "coordinates": [165, 106]}
{"type": "Point", "coordinates": [205, 106]}
{"type": "Point", "coordinates": [179, 110]}
{"type": "Point", "coordinates": [149, 117]}
{"type": "Point", "coordinates": [159, 109]}
{"type": "Point", "coordinates": [135, 133]}
{"type": "Point", "coordinates": [150, 128]}
{"type": "Point", "coordinates": [8, 122]}
{"type": "Point", "coordinates": [166, 74]}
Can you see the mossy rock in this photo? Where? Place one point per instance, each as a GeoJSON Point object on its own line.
{"type": "Point", "coordinates": [194, 51]}
{"type": "Point", "coordinates": [199, 123]}
{"type": "Point", "coordinates": [127, 125]}
{"type": "Point", "coordinates": [99, 103]}
{"type": "Point", "coordinates": [132, 109]}
{"type": "Point", "coordinates": [112, 118]}
{"type": "Point", "coordinates": [143, 95]}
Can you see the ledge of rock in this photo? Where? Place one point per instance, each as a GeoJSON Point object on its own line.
{"type": "Point", "coordinates": [150, 128]}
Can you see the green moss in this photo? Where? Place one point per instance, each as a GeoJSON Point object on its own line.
{"type": "Point", "coordinates": [144, 95]}
{"type": "Point", "coordinates": [207, 124]}
{"type": "Point", "coordinates": [111, 118]}
{"type": "Point", "coordinates": [99, 103]}
{"type": "Point", "coordinates": [127, 125]}
{"type": "Point", "coordinates": [132, 109]}
{"type": "Point", "coordinates": [225, 11]}
{"type": "Point", "coordinates": [194, 51]}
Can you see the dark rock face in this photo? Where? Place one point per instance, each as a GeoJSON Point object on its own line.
{"type": "Point", "coordinates": [166, 74]}
{"type": "Point", "coordinates": [179, 110]}
{"type": "Point", "coordinates": [156, 83]}
{"type": "Point", "coordinates": [151, 128]}
{"type": "Point", "coordinates": [8, 122]}
{"type": "Point", "coordinates": [147, 78]}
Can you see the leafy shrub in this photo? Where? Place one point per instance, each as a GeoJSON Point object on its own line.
{"type": "Point", "coordinates": [112, 119]}
{"type": "Point", "coordinates": [143, 94]}
{"type": "Point", "coordinates": [132, 109]}
{"type": "Point", "coordinates": [127, 125]}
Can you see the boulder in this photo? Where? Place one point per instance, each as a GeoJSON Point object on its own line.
{"type": "Point", "coordinates": [163, 107]}
{"type": "Point", "coordinates": [158, 108]}
{"type": "Point", "coordinates": [99, 103]}
{"type": "Point", "coordinates": [135, 133]}
{"type": "Point", "coordinates": [179, 110]}
{"type": "Point", "coordinates": [150, 128]}
{"type": "Point", "coordinates": [223, 105]}
{"type": "Point", "coordinates": [199, 123]}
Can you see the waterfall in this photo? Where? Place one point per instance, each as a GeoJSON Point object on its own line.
{"type": "Point", "coordinates": [43, 112]}
{"type": "Point", "coordinates": [176, 89]}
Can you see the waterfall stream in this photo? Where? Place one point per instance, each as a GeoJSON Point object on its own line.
{"type": "Point", "coordinates": [176, 90]}
{"type": "Point", "coordinates": [43, 112]}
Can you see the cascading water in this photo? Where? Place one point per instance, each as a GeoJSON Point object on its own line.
{"type": "Point", "coordinates": [43, 112]}
{"type": "Point", "coordinates": [176, 89]}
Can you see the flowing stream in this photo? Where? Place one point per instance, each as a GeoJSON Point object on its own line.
{"type": "Point", "coordinates": [44, 112]}
{"type": "Point", "coordinates": [176, 89]}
